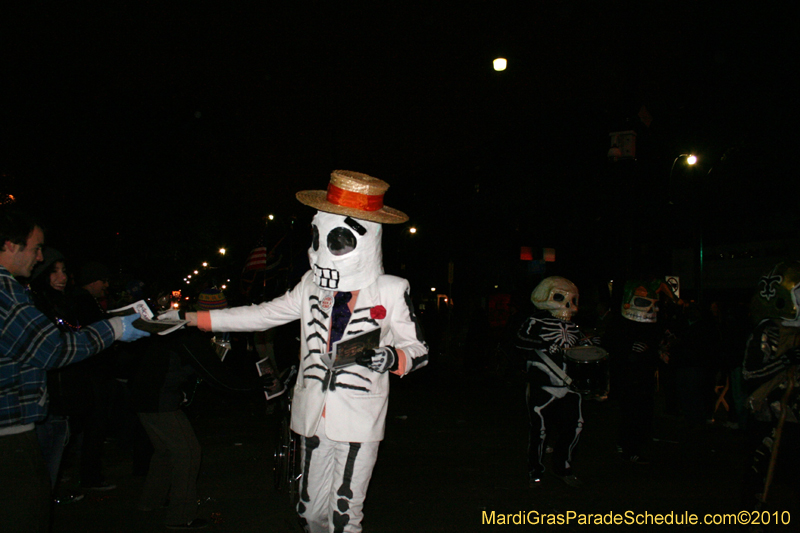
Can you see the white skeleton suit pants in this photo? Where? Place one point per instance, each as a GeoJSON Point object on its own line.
{"type": "Point", "coordinates": [334, 482]}
{"type": "Point", "coordinates": [551, 414]}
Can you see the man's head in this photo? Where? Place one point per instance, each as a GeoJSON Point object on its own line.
{"type": "Point", "coordinates": [557, 295]}
{"type": "Point", "coordinates": [345, 252]}
{"type": "Point", "coordinates": [94, 278]}
{"type": "Point", "coordinates": [22, 239]}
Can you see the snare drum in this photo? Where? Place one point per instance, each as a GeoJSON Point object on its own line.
{"type": "Point", "coordinates": [588, 368]}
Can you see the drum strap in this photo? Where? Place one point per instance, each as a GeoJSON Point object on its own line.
{"type": "Point", "coordinates": [555, 368]}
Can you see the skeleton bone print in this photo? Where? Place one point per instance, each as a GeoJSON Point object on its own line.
{"type": "Point", "coordinates": [551, 336]}
{"type": "Point", "coordinates": [556, 333]}
{"type": "Point", "coordinates": [317, 341]}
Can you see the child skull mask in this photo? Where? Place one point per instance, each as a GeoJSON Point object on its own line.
{"type": "Point", "coordinates": [640, 301]}
{"type": "Point", "coordinates": [345, 252]}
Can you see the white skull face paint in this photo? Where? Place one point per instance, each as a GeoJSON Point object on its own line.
{"type": "Point", "coordinates": [557, 295]}
{"type": "Point", "coordinates": [345, 253]}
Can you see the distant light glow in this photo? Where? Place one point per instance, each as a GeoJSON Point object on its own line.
{"type": "Point", "coordinates": [500, 64]}
{"type": "Point", "coordinates": [271, 217]}
{"type": "Point", "coordinates": [205, 264]}
{"type": "Point", "coordinates": [691, 160]}
{"type": "Point", "coordinates": [196, 272]}
{"type": "Point", "coordinates": [412, 230]}
{"type": "Point", "coordinates": [433, 289]}
{"type": "Point", "coordinates": [222, 251]}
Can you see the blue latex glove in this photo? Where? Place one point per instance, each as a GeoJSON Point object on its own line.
{"type": "Point", "coordinates": [130, 333]}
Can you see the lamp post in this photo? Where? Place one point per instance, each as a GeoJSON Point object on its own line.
{"type": "Point", "coordinates": [691, 159]}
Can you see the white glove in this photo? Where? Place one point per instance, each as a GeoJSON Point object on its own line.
{"type": "Point", "coordinates": [379, 360]}
{"type": "Point", "coordinates": [172, 314]}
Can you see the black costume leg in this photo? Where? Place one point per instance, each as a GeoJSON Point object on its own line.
{"type": "Point", "coordinates": [637, 403]}
{"type": "Point", "coordinates": [538, 402]}
{"type": "Point", "coordinates": [567, 417]}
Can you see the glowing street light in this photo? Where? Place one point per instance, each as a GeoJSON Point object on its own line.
{"type": "Point", "coordinates": [205, 264]}
{"type": "Point", "coordinates": [500, 64]}
{"type": "Point", "coordinates": [222, 251]}
{"type": "Point", "coordinates": [691, 159]}
{"type": "Point", "coordinates": [412, 230]}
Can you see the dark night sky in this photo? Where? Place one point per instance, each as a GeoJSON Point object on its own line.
{"type": "Point", "coordinates": [179, 125]}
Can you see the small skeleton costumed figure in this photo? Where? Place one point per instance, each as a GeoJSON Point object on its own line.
{"type": "Point", "coordinates": [771, 374]}
{"type": "Point", "coordinates": [340, 411]}
{"type": "Point", "coordinates": [633, 340]}
{"type": "Point", "coordinates": [552, 406]}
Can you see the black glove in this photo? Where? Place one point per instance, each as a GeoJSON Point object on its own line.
{"type": "Point", "coordinates": [270, 382]}
{"type": "Point", "coordinates": [792, 355]}
{"type": "Point", "coordinates": [379, 360]}
{"type": "Point", "coordinates": [639, 347]}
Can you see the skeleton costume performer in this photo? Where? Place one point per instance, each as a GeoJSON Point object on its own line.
{"type": "Point", "coordinates": [633, 340]}
{"type": "Point", "coordinates": [552, 406]}
{"type": "Point", "coordinates": [340, 413]}
{"type": "Point", "coordinates": [770, 369]}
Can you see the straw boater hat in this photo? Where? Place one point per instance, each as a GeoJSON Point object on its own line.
{"type": "Point", "coordinates": [356, 195]}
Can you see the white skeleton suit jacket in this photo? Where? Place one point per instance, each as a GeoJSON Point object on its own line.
{"type": "Point", "coordinates": [356, 399]}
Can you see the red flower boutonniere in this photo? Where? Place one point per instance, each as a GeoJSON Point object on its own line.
{"type": "Point", "coordinates": [378, 312]}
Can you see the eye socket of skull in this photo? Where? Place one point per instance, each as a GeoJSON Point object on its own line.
{"type": "Point", "coordinates": [558, 297]}
{"type": "Point", "coordinates": [341, 241]}
{"type": "Point", "coordinates": [642, 302]}
{"type": "Point", "coordinates": [315, 238]}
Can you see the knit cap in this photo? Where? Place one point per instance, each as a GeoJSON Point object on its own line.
{"type": "Point", "coordinates": [91, 272]}
{"type": "Point", "coordinates": [211, 299]}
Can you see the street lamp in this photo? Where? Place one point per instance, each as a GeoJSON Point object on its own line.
{"type": "Point", "coordinates": [691, 159]}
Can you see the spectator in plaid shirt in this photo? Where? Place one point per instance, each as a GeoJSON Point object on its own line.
{"type": "Point", "coordinates": [30, 344]}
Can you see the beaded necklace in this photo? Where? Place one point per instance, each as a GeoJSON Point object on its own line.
{"type": "Point", "coordinates": [64, 323]}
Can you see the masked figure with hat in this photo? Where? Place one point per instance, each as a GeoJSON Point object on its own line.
{"type": "Point", "coordinates": [634, 341]}
{"type": "Point", "coordinates": [552, 406]}
{"type": "Point", "coordinates": [340, 411]}
{"type": "Point", "coordinates": [770, 371]}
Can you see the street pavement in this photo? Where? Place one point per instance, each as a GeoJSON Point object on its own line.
{"type": "Point", "coordinates": [454, 453]}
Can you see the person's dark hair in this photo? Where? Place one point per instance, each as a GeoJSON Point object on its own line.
{"type": "Point", "coordinates": [41, 283]}
{"type": "Point", "coordinates": [16, 226]}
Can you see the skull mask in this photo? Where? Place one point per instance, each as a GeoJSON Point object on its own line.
{"type": "Point", "coordinates": [778, 293]}
{"type": "Point", "coordinates": [640, 302]}
{"type": "Point", "coordinates": [345, 253]}
{"type": "Point", "coordinates": [557, 295]}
